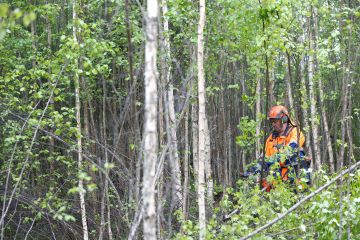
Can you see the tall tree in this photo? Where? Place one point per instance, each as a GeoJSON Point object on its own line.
{"type": "Point", "coordinates": [324, 118]}
{"type": "Point", "coordinates": [171, 118]}
{"type": "Point", "coordinates": [202, 121]}
{"type": "Point", "coordinates": [78, 124]}
{"type": "Point", "coordinates": [150, 124]}
{"type": "Point", "coordinates": [312, 96]}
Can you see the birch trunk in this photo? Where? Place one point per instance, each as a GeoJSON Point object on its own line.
{"type": "Point", "coordinates": [195, 141]}
{"type": "Point", "coordinates": [186, 166]}
{"type": "Point", "coordinates": [150, 121]}
{"type": "Point", "coordinates": [346, 67]}
{"type": "Point", "coordinates": [223, 170]}
{"type": "Point", "coordinates": [344, 98]}
{"type": "Point", "coordinates": [79, 137]}
{"type": "Point", "coordinates": [105, 196]}
{"type": "Point", "coordinates": [208, 171]}
{"type": "Point", "coordinates": [304, 105]}
{"type": "Point", "coordinates": [305, 99]}
{"type": "Point", "coordinates": [173, 154]}
{"type": "Point", "coordinates": [258, 118]}
{"type": "Point", "coordinates": [272, 100]}
{"type": "Point", "coordinates": [313, 108]}
{"type": "Point", "coordinates": [202, 122]}
{"type": "Point", "coordinates": [291, 106]}
{"type": "Point", "coordinates": [322, 104]}
{"type": "Point", "coordinates": [162, 131]}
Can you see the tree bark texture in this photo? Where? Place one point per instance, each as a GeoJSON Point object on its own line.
{"type": "Point", "coordinates": [202, 122]}
{"type": "Point", "coordinates": [150, 125]}
{"type": "Point", "coordinates": [324, 119]}
{"type": "Point", "coordinates": [313, 105]}
{"type": "Point", "coordinates": [173, 149]}
{"type": "Point", "coordinates": [78, 126]}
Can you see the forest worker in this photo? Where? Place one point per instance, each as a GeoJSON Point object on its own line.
{"type": "Point", "coordinates": [284, 146]}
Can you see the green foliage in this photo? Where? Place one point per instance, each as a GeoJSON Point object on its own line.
{"type": "Point", "coordinates": [247, 137]}
{"type": "Point", "coordinates": [37, 70]}
{"type": "Point", "coordinates": [316, 219]}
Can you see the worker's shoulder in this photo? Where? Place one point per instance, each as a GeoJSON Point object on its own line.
{"type": "Point", "coordinates": [294, 131]}
{"type": "Point", "coordinates": [269, 138]}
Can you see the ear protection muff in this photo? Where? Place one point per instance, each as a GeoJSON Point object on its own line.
{"type": "Point", "coordinates": [284, 119]}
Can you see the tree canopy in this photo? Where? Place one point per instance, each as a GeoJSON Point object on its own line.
{"type": "Point", "coordinates": [120, 119]}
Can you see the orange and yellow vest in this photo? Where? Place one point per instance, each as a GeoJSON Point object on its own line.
{"type": "Point", "coordinates": [292, 137]}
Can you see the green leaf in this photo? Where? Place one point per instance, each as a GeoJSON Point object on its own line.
{"type": "Point", "coordinates": [73, 190]}
{"type": "Point", "coordinates": [28, 18]}
{"type": "Point", "coordinates": [109, 165]}
{"type": "Point", "coordinates": [4, 8]}
{"type": "Point", "coordinates": [68, 218]}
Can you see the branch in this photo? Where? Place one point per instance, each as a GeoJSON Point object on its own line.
{"type": "Point", "coordinates": [300, 202]}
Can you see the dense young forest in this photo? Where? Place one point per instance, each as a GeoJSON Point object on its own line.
{"type": "Point", "coordinates": [138, 119]}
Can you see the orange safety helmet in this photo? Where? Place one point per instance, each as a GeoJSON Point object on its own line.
{"type": "Point", "coordinates": [279, 112]}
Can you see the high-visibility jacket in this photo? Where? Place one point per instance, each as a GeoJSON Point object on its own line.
{"type": "Point", "coordinates": [291, 141]}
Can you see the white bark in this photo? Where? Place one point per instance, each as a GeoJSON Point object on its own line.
{"type": "Point", "coordinates": [78, 135]}
{"type": "Point", "coordinates": [195, 141]}
{"type": "Point", "coordinates": [322, 105]}
{"type": "Point", "coordinates": [258, 118]}
{"type": "Point", "coordinates": [313, 105]}
{"type": "Point", "coordinates": [289, 85]}
{"type": "Point", "coordinates": [202, 122]}
{"type": "Point", "coordinates": [150, 122]}
{"type": "Point", "coordinates": [271, 87]}
{"type": "Point", "coordinates": [186, 166]}
{"type": "Point", "coordinates": [305, 100]}
{"type": "Point", "coordinates": [173, 154]}
{"type": "Point", "coordinates": [208, 172]}
{"type": "Point", "coordinates": [304, 104]}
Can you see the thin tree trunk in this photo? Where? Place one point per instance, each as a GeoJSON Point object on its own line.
{"type": "Point", "coordinates": [291, 106]}
{"type": "Point", "coordinates": [305, 99]}
{"type": "Point", "coordinates": [243, 113]}
{"type": "Point", "coordinates": [304, 103]}
{"type": "Point", "coordinates": [102, 203]}
{"type": "Point", "coordinates": [230, 164]}
{"type": "Point", "coordinates": [322, 104]}
{"type": "Point", "coordinates": [163, 118]}
{"type": "Point", "coordinates": [195, 141]}
{"type": "Point", "coordinates": [186, 166]}
{"type": "Point", "coordinates": [349, 122]}
{"type": "Point", "coordinates": [345, 117]}
{"type": "Point", "coordinates": [223, 170]}
{"type": "Point", "coordinates": [162, 141]}
{"type": "Point", "coordinates": [344, 100]}
{"type": "Point", "coordinates": [49, 43]}
{"type": "Point", "coordinates": [105, 196]}
{"type": "Point", "coordinates": [202, 122]}
{"type": "Point", "coordinates": [150, 121]}
{"type": "Point", "coordinates": [33, 42]}
{"type": "Point", "coordinates": [208, 172]}
{"type": "Point", "coordinates": [173, 149]}
{"type": "Point", "coordinates": [258, 117]}
{"type": "Point", "coordinates": [78, 135]}
{"type": "Point", "coordinates": [272, 100]}
{"type": "Point", "coordinates": [313, 105]}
